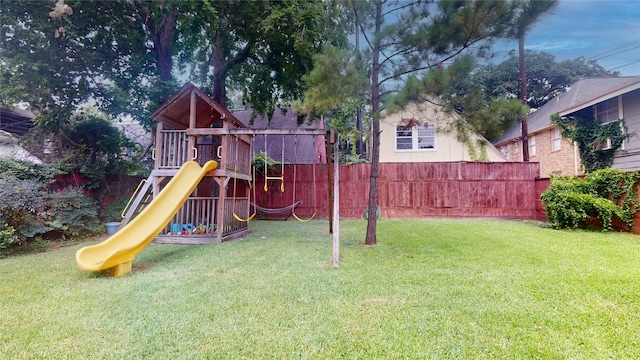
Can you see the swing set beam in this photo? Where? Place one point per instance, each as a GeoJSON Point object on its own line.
{"type": "Point", "coordinates": [329, 135]}
{"type": "Point", "coordinates": [240, 131]}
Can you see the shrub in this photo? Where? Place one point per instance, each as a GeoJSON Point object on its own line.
{"type": "Point", "coordinates": [599, 198]}
{"type": "Point", "coordinates": [71, 213]}
{"type": "Point", "coordinates": [20, 201]}
{"type": "Point", "coordinates": [29, 210]}
{"type": "Point", "coordinates": [8, 236]}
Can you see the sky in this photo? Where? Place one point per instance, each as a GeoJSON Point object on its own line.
{"type": "Point", "coordinates": [605, 30]}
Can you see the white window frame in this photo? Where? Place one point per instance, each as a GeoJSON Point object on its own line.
{"type": "Point", "coordinates": [610, 113]}
{"type": "Point", "coordinates": [414, 134]}
{"type": "Point", "coordinates": [532, 145]}
{"type": "Point", "coordinates": [556, 139]}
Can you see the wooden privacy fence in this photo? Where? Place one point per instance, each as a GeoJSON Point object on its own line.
{"type": "Point", "coordinates": [415, 190]}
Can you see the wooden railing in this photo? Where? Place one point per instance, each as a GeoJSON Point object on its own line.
{"type": "Point", "coordinates": [238, 155]}
{"type": "Point", "coordinates": [197, 216]}
{"type": "Point", "coordinates": [174, 149]}
{"type": "Point", "coordinates": [206, 152]}
{"type": "Point", "coordinates": [241, 209]}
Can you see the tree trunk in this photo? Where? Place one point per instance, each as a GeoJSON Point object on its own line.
{"type": "Point", "coordinates": [359, 109]}
{"type": "Point", "coordinates": [523, 97]}
{"type": "Point", "coordinates": [372, 206]}
{"type": "Point", "coordinates": [219, 70]}
{"type": "Point", "coordinates": [162, 31]}
{"type": "Point", "coordinates": [359, 147]}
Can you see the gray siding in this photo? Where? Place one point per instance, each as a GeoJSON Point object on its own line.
{"type": "Point", "coordinates": [629, 159]}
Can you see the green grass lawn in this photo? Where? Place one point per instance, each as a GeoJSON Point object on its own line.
{"type": "Point", "coordinates": [430, 289]}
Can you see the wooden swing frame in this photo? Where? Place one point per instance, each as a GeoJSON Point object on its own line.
{"type": "Point", "coordinates": [330, 137]}
{"type": "Point", "coordinates": [315, 200]}
{"type": "Point", "coordinates": [251, 185]}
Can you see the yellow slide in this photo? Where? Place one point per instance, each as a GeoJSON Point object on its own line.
{"type": "Point", "coordinates": [115, 254]}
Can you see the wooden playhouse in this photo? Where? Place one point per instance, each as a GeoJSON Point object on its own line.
{"type": "Point", "coordinates": [193, 127]}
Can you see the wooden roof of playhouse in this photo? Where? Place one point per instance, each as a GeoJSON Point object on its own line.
{"type": "Point", "coordinates": [175, 112]}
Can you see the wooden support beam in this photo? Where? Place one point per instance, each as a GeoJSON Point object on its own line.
{"type": "Point", "coordinates": [222, 131]}
{"type": "Point", "coordinates": [171, 122]}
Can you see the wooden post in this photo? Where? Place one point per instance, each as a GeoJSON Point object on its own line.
{"type": "Point", "coordinates": [329, 140]}
{"type": "Point", "coordinates": [159, 156]}
{"type": "Point", "coordinates": [336, 207]}
{"type": "Point", "coordinates": [191, 144]}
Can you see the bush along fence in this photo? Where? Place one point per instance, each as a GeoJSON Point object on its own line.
{"type": "Point", "coordinates": [605, 199]}
{"type": "Point", "coordinates": [36, 202]}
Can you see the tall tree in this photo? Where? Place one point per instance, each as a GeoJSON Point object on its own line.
{"type": "Point", "coordinates": [55, 62]}
{"type": "Point", "coordinates": [160, 19]}
{"type": "Point", "coordinates": [546, 77]}
{"type": "Point", "coordinates": [458, 92]}
{"type": "Point", "coordinates": [261, 47]}
{"type": "Point", "coordinates": [529, 13]}
{"type": "Point", "coordinates": [404, 38]}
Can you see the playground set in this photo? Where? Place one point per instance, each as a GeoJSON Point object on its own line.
{"type": "Point", "coordinates": [200, 189]}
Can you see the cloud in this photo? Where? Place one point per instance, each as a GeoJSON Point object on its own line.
{"type": "Point", "coordinates": [588, 28]}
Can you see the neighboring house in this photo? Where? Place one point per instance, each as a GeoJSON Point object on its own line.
{"type": "Point", "coordinates": [16, 121]}
{"type": "Point", "coordinates": [298, 149]}
{"type": "Point", "coordinates": [9, 147]}
{"type": "Point", "coordinates": [415, 135]}
{"type": "Point", "coordinates": [609, 99]}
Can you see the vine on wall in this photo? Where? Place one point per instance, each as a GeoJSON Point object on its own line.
{"type": "Point", "coordinates": [590, 135]}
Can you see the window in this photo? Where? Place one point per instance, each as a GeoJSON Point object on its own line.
{"type": "Point", "coordinates": [426, 137]}
{"type": "Point", "coordinates": [532, 145]}
{"type": "Point", "coordinates": [516, 147]}
{"type": "Point", "coordinates": [607, 111]}
{"type": "Point", "coordinates": [507, 151]}
{"type": "Point", "coordinates": [404, 138]}
{"type": "Point", "coordinates": [556, 139]}
{"type": "Point", "coordinates": [419, 137]}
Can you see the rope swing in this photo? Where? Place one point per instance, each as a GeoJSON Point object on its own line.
{"type": "Point", "coordinates": [251, 184]}
{"type": "Point", "coordinates": [315, 203]}
{"type": "Point", "coordinates": [266, 170]}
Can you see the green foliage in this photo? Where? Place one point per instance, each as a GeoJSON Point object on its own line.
{"type": "Point", "coordinates": [24, 170]}
{"type": "Point", "coordinates": [20, 202]}
{"type": "Point", "coordinates": [602, 196]}
{"type": "Point", "coordinates": [546, 77]}
{"type": "Point", "coordinates": [8, 236]}
{"type": "Point", "coordinates": [264, 164]}
{"type": "Point", "coordinates": [469, 110]}
{"type": "Point", "coordinates": [72, 213]}
{"type": "Point", "coordinates": [88, 145]}
{"type": "Point", "coordinates": [29, 209]}
{"type": "Point", "coordinates": [55, 73]}
{"type": "Point", "coordinates": [342, 118]}
{"type": "Point", "coordinates": [590, 135]}
{"type": "Point", "coordinates": [334, 80]}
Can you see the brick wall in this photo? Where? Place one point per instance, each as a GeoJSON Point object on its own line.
{"type": "Point", "coordinates": [552, 162]}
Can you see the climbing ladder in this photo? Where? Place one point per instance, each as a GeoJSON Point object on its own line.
{"type": "Point", "coordinates": [137, 202]}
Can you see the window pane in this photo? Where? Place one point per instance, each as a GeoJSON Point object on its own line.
{"type": "Point", "coordinates": [532, 145]}
{"type": "Point", "coordinates": [404, 138]}
{"type": "Point", "coordinates": [607, 110]}
{"type": "Point", "coordinates": [403, 144]}
{"type": "Point", "coordinates": [426, 143]}
{"type": "Point", "coordinates": [426, 137]}
{"type": "Point", "coordinates": [556, 139]}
